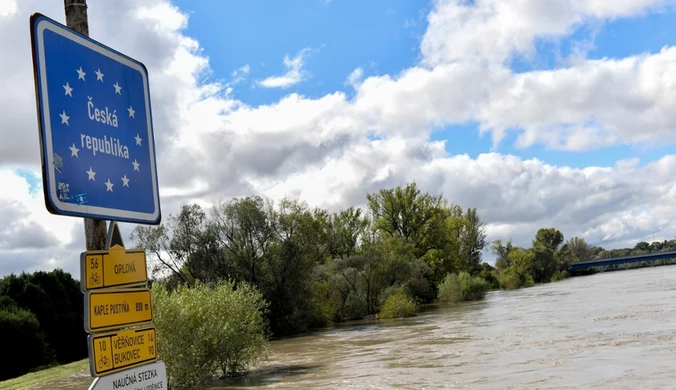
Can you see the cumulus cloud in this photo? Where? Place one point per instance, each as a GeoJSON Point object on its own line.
{"type": "Point", "coordinates": [323, 150]}
{"type": "Point", "coordinates": [30, 237]}
{"type": "Point", "coordinates": [591, 105]}
{"type": "Point", "coordinates": [495, 30]}
{"type": "Point", "coordinates": [294, 72]}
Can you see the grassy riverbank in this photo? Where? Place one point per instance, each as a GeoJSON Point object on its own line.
{"type": "Point", "coordinates": [35, 378]}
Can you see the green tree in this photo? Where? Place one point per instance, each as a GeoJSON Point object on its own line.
{"type": "Point", "coordinates": [549, 238]}
{"type": "Point", "coordinates": [546, 260]}
{"type": "Point", "coordinates": [173, 244]}
{"type": "Point", "coordinates": [502, 252]}
{"type": "Point", "coordinates": [366, 267]}
{"type": "Point", "coordinates": [472, 242]}
{"type": "Point", "coordinates": [578, 249]}
{"type": "Point", "coordinates": [520, 271]}
{"type": "Point", "coordinates": [24, 343]}
{"type": "Point", "coordinates": [300, 244]}
{"type": "Point", "coordinates": [246, 233]}
{"type": "Point", "coordinates": [545, 263]}
{"type": "Point", "coordinates": [56, 301]}
{"type": "Point", "coordinates": [453, 254]}
{"type": "Point", "coordinates": [642, 246]}
{"type": "Point", "coordinates": [348, 229]}
{"type": "Point", "coordinates": [417, 217]}
{"type": "Point", "coordinates": [490, 275]}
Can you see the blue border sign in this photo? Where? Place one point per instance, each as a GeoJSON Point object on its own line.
{"type": "Point", "coordinates": [96, 132]}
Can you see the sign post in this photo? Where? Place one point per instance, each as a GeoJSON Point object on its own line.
{"type": "Point", "coordinates": [98, 162]}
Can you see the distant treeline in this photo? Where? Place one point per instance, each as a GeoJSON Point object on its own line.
{"type": "Point", "coordinates": [312, 267]}
{"type": "Point", "coordinates": [41, 322]}
{"type": "Point", "coordinates": [642, 248]}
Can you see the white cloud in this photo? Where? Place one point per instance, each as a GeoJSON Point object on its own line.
{"type": "Point", "coordinates": [7, 7]}
{"type": "Point", "coordinates": [30, 237]}
{"type": "Point", "coordinates": [494, 30]}
{"type": "Point", "coordinates": [212, 146]}
{"type": "Point", "coordinates": [294, 72]}
{"type": "Point", "coordinates": [240, 74]}
{"type": "Point", "coordinates": [594, 104]}
{"type": "Point", "coordinates": [355, 77]}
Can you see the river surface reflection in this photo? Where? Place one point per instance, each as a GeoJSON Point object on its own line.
{"type": "Point", "coordinates": [607, 331]}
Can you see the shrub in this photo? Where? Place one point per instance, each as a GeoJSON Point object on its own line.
{"type": "Point", "coordinates": [391, 290]}
{"type": "Point", "coordinates": [509, 279]}
{"type": "Point", "coordinates": [324, 309]}
{"type": "Point", "coordinates": [397, 305]}
{"type": "Point", "coordinates": [473, 288]}
{"type": "Point", "coordinates": [204, 330]}
{"type": "Point", "coordinates": [491, 276]}
{"type": "Point", "coordinates": [462, 287]}
{"type": "Point", "coordinates": [24, 345]}
{"type": "Point", "coordinates": [559, 275]}
{"type": "Point", "coordinates": [450, 290]}
{"type": "Point", "coordinates": [419, 284]}
{"type": "Point", "coordinates": [355, 306]}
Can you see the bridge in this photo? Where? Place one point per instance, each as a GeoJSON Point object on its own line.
{"type": "Point", "coordinates": [626, 261]}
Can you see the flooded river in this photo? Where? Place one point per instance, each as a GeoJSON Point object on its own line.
{"type": "Point", "coordinates": [607, 331]}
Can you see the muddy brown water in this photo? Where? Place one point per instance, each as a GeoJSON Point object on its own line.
{"type": "Point", "coordinates": [607, 331]}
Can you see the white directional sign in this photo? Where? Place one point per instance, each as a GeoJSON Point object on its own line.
{"type": "Point", "coordinates": [151, 376]}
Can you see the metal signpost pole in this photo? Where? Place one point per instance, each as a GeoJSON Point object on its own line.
{"type": "Point", "coordinates": [76, 19]}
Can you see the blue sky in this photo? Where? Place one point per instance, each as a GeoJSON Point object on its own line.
{"type": "Point", "coordinates": [379, 36]}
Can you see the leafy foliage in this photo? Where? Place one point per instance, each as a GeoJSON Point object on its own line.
{"type": "Point", "coordinates": [203, 330]}
{"type": "Point", "coordinates": [22, 336]}
{"type": "Point", "coordinates": [313, 267]}
{"type": "Point", "coordinates": [397, 305]}
{"type": "Point", "coordinates": [473, 288]}
{"type": "Point", "coordinates": [450, 290]}
{"type": "Point", "coordinates": [545, 261]}
{"type": "Point", "coordinates": [56, 301]}
{"type": "Point", "coordinates": [462, 287]}
{"type": "Point", "coordinates": [279, 268]}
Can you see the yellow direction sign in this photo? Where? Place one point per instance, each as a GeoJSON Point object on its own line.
{"type": "Point", "coordinates": [113, 267]}
{"type": "Point", "coordinates": [117, 351]}
{"type": "Point", "coordinates": [117, 308]}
